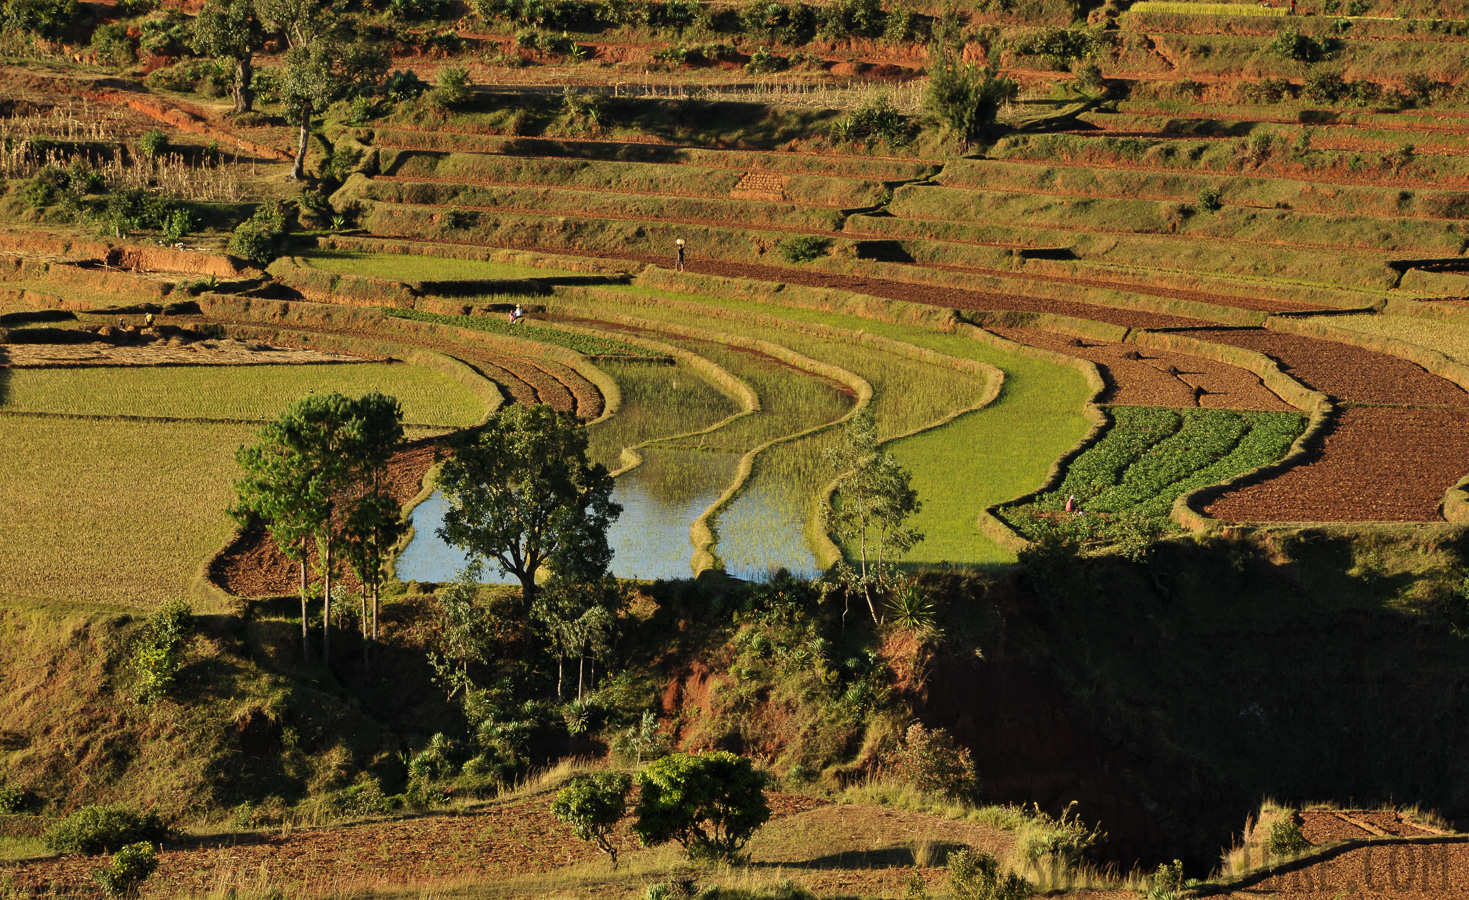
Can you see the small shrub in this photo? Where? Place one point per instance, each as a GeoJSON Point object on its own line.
{"type": "Point", "coordinates": [92, 830]}
{"type": "Point", "coordinates": [1061, 47]}
{"type": "Point", "coordinates": [258, 239]}
{"type": "Point", "coordinates": [1325, 87]}
{"type": "Point", "coordinates": [1305, 48]}
{"type": "Point", "coordinates": [12, 800]}
{"type": "Point", "coordinates": [763, 62]}
{"type": "Point", "coordinates": [177, 226]}
{"type": "Point", "coordinates": [711, 804]}
{"type": "Point", "coordinates": [931, 761]}
{"type": "Point", "coordinates": [802, 248]}
{"type": "Point", "coordinates": [878, 122]}
{"type": "Point", "coordinates": [1166, 882]}
{"type": "Point", "coordinates": [1285, 839]}
{"type": "Point", "coordinates": [975, 875]}
{"type": "Point", "coordinates": [153, 143]}
{"type": "Point", "coordinates": [593, 805]}
{"type": "Point", "coordinates": [455, 86]}
{"type": "Point", "coordinates": [1211, 199]}
{"type": "Point", "coordinates": [114, 46]}
{"type": "Point", "coordinates": [158, 655]}
{"type": "Point", "coordinates": [130, 867]}
{"type": "Point", "coordinates": [49, 19]}
{"type": "Point", "coordinates": [38, 193]}
{"type": "Point", "coordinates": [641, 742]}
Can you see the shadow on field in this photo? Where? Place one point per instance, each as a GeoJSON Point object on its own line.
{"type": "Point", "coordinates": [881, 858]}
{"type": "Point", "coordinates": [4, 377]}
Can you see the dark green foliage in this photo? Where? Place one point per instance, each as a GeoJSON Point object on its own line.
{"type": "Point", "coordinates": [802, 248]}
{"type": "Point", "coordinates": [1061, 47]}
{"type": "Point", "coordinates": [763, 62]}
{"type": "Point", "coordinates": [114, 46]}
{"type": "Point", "coordinates": [963, 99]}
{"type": "Point", "coordinates": [417, 10]}
{"type": "Point", "coordinates": [258, 239]}
{"type": "Point", "coordinates": [92, 830]}
{"type": "Point", "coordinates": [782, 23]}
{"type": "Point", "coordinates": [202, 76]}
{"type": "Point", "coordinates": [153, 142]}
{"type": "Point", "coordinates": [130, 867]}
{"type": "Point", "coordinates": [44, 18]}
{"type": "Point", "coordinates": [1285, 839]}
{"type": "Point", "coordinates": [853, 18]}
{"type": "Point", "coordinates": [230, 30]}
{"type": "Point", "coordinates": [976, 875]}
{"type": "Point", "coordinates": [1165, 882]}
{"type": "Point", "coordinates": [13, 799]}
{"type": "Point", "coordinates": [167, 34]}
{"type": "Point", "coordinates": [1269, 90]}
{"type": "Point", "coordinates": [931, 761]}
{"type": "Point", "coordinates": [593, 805]}
{"type": "Point", "coordinates": [1305, 48]}
{"type": "Point", "coordinates": [877, 122]}
{"type": "Point", "coordinates": [710, 804]}
{"type": "Point", "coordinates": [1211, 199]}
{"type": "Point", "coordinates": [136, 209]}
{"type": "Point", "coordinates": [524, 495]}
{"type": "Point", "coordinates": [403, 85]}
{"type": "Point", "coordinates": [159, 651]}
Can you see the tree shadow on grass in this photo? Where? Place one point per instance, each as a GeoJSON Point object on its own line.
{"type": "Point", "coordinates": [880, 858]}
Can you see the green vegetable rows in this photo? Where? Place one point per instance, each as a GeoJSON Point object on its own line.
{"type": "Point", "coordinates": [581, 343]}
{"type": "Point", "coordinates": [1152, 456]}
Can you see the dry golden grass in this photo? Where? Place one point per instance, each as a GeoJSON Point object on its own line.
{"type": "Point", "coordinates": [116, 513]}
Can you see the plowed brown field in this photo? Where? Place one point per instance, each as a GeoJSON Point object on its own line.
{"type": "Point", "coordinates": [843, 849]}
{"type": "Point", "coordinates": [1430, 870]}
{"type": "Point", "coordinates": [1342, 371]}
{"type": "Point", "coordinates": [1147, 381]}
{"type": "Point", "coordinates": [1377, 464]}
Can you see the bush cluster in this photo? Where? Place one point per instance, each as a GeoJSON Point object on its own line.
{"type": "Point", "coordinates": [48, 19]}
{"type": "Point", "coordinates": [976, 875]}
{"type": "Point", "coordinates": [877, 122]}
{"type": "Point", "coordinates": [802, 248]}
{"type": "Point", "coordinates": [158, 654]}
{"type": "Point", "coordinates": [1305, 48]}
{"type": "Point", "coordinates": [258, 239]}
{"type": "Point", "coordinates": [1285, 839]}
{"type": "Point", "coordinates": [1061, 47]}
{"type": "Point", "coordinates": [92, 830]}
{"type": "Point", "coordinates": [931, 761]}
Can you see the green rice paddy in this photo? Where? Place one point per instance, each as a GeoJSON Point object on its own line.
{"type": "Point", "coordinates": [413, 267]}
{"type": "Point", "coordinates": [657, 401]}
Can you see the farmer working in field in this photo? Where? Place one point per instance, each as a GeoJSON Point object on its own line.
{"type": "Point", "coordinates": [678, 259]}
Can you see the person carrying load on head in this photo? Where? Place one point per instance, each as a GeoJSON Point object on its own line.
{"type": "Point", "coordinates": [678, 258]}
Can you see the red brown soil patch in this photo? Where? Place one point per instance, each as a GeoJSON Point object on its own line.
{"type": "Point", "coordinates": [252, 566]}
{"type": "Point", "coordinates": [1146, 381]}
{"type": "Point", "coordinates": [1376, 465]}
{"type": "Point", "coordinates": [1343, 371]}
{"type": "Point", "coordinates": [1431, 870]}
{"type": "Point", "coordinates": [1324, 826]}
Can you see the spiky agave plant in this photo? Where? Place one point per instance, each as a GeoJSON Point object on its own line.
{"type": "Point", "coordinates": [911, 607]}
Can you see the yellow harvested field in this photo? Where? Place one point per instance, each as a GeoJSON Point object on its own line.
{"type": "Point", "coordinates": [112, 512]}
{"type": "Point", "coordinates": [234, 392]}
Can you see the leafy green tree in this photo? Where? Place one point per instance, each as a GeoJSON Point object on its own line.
{"type": "Point", "coordinates": [468, 631]}
{"type": "Point", "coordinates": [230, 30]}
{"type": "Point", "coordinates": [962, 98]}
{"type": "Point", "coordinates": [324, 59]}
{"type": "Point", "coordinates": [711, 804]}
{"type": "Point", "coordinates": [578, 620]}
{"type": "Point", "coordinates": [524, 495]}
{"type": "Point", "coordinates": [303, 474]}
{"type": "Point", "coordinates": [874, 499]}
{"type": "Point", "coordinates": [158, 654]}
{"type": "Point", "coordinates": [372, 526]}
{"type": "Point", "coordinates": [45, 18]}
{"type": "Point", "coordinates": [593, 805]}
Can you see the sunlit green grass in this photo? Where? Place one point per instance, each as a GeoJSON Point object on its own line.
{"type": "Point", "coordinates": [414, 267]}
{"type": "Point", "coordinates": [236, 392]}
{"type": "Point", "coordinates": [112, 512]}
{"type": "Point", "coordinates": [657, 401]}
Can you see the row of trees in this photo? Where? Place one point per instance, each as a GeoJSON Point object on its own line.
{"type": "Point", "coordinates": [327, 54]}
{"type": "Point", "coordinates": [318, 475]}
